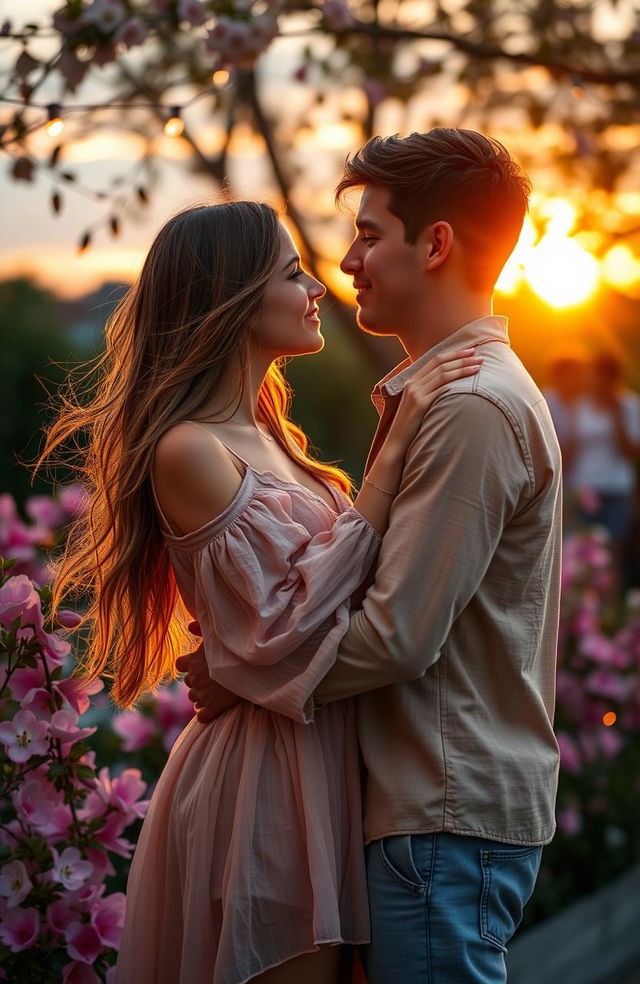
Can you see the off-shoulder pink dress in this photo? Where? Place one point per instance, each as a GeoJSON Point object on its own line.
{"type": "Point", "coordinates": [251, 852]}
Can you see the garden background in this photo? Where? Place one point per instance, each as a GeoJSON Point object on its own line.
{"type": "Point", "coordinates": [115, 113]}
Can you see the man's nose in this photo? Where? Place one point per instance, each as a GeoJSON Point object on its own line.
{"type": "Point", "coordinates": [350, 261]}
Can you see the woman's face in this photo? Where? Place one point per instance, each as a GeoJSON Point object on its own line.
{"type": "Point", "coordinates": [288, 322]}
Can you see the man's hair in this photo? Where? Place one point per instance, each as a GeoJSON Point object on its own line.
{"type": "Point", "coordinates": [453, 175]}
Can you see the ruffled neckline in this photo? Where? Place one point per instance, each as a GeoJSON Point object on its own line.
{"type": "Point", "coordinates": [251, 480]}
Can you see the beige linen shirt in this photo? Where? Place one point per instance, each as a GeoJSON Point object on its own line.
{"type": "Point", "coordinates": [454, 650]}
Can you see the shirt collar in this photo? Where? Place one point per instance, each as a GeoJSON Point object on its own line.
{"type": "Point", "coordinates": [493, 328]}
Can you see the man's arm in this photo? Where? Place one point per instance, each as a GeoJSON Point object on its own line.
{"type": "Point", "coordinates": [465, 476]}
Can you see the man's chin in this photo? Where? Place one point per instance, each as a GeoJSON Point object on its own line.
{"type": "Point", "coordinates": [368, 324]}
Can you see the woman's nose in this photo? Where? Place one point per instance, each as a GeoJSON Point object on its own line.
{"type": "Point", "coordinates": [316, 289]}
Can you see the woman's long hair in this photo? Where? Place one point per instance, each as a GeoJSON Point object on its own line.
{"type": "Point", "coordinates": [168, 346]}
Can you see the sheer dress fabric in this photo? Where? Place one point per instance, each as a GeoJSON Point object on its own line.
{"type": "Point", "coordinates": [251, 852]}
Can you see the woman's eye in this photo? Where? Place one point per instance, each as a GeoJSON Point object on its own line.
{"type": "Point", "coordinates": [296, 273]}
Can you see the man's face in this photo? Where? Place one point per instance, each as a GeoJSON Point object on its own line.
{"type": "Point", "coordinates": [388, 275]}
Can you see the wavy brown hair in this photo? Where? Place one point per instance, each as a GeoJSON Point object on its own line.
{"type": "Point", "coordinates": [168, 346]}
{"type": "Point", "coordinates": [457, 175]}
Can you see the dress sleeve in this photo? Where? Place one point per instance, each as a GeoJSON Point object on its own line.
{"type": "Point", "coordinates": [273, 600]}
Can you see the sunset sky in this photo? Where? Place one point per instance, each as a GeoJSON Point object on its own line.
{"type": "Point", "coordinates": [35, 242]}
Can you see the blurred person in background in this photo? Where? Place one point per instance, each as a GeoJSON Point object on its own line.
{"type": "Point", "coordinates": [567, 385]}
{"type": "Point", "coordinates": [603, 438]}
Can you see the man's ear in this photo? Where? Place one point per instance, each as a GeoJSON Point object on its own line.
{"type": "Point", "coordinates": [437, 244]}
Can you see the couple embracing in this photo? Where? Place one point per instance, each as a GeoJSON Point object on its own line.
{"type": "Point", "coordinates": [402, 640]}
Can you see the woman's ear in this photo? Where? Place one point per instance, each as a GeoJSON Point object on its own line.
{"type": "Point", "coordinates": [437, 244]}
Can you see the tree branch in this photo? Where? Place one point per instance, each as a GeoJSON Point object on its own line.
{"type": "Point", "coordinates": [486, 52]}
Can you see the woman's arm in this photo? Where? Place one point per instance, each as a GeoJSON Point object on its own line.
{"type": "Point", "coordinates": [383, 479]}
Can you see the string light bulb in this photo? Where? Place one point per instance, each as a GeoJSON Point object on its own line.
{"type": "Point", "coordinates": [55, 124]}
{"type": "Point", "coordinates": [174, 126]}
{"type": "Point", "coordinates": [220, 76]}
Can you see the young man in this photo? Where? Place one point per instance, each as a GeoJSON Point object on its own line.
{"type": "Point", "coordinates": [453, 652]}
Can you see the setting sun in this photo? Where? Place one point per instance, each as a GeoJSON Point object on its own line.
{"type": "Point", "coordinates": [555, 266]}
{"type": "Point", "coordinates": [561, 272]}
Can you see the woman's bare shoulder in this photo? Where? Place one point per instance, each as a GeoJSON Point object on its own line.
{"type": "Point", "coordinates": [194, 476]}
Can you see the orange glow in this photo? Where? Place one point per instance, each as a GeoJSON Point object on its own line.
{"type": "Point", "coordinates": [328, 136]}
{"type": "Point", "coordinates": [174, 127]}
{"type": "Point", "coordinates": [621, 268]}
{"type": "Point", "coordinates": [561, 272]}
{"type": "Point", "coordinates": [221, 77]}
{"type": "Point", "coordinates": [54, 127]}
{"type": "Point", "coordinates": [609, 718]}
{"type": "Point", "coordinates": [557, 267]}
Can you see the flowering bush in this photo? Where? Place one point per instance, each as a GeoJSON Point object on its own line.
{"type": "Point", "coordinates": [60, 821]}
{"type": "Point", "coordinates": [597, 725]}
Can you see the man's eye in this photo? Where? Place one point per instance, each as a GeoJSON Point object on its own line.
{"type": "Point", "coordinates": [368, 239]}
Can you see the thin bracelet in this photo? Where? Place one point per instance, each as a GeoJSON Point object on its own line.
{"type": "Point", "coordinates": [378, 487]}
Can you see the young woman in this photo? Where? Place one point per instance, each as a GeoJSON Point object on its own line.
{"type": "Point", "coordinates": [203, 498]}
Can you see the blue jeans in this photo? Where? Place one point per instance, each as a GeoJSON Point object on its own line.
{"type": "Point", "coordinates": [444, 907]}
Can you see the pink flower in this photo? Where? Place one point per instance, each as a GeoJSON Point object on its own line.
{"type": "Point", "coordinates": [375, 91]}
{"type": "Point", "coordinates": [61, 913]}
{"type": "Point", "coordinates": [79, 973]}
{"type": "Point", "coordinates": [107, 15]}
{"type": "Point", "coordinates": [38, 702]}
{"type": "Point", "coordinates": [55, 649]}
{"type": "Point", "coordinates": [569, 821]}
{"type": "Point", "coordinates": [15, 883]}
{"type": "Point", "coordinates": [42, 806]}
{"type": "Point", "coordinates": [109, 835]}
{"type": "Point", "coordinates": [610, 741]}
{"type": "Point", "coordinates": [101, 865]}
{"type": "Point", "coordinates": [74, 500]}
{"type": "Point", "coordinates": [77, 691]}
{"type": "Point", "coordinates": [68, 619]}
{"type": "Point", "coordinates": [83, 942]}
{"type": "Point", "coordinates": [45, 512]}
{"type": "Point", "coordinates": [24, 736]}
{"type": "Point", "coordinates": [192, 11]}
{"type": "Point", "coordinates": [19, 599]}
{"type": "Point", "coordinates": [569, 754]}
{"type": "Point", "coordinates": [173, 710]}
{"type": "Point", "coordinates": [70, 869]}
{"type": "Point", "coordinates": [108, 919]}
{"type": "Point", "coordinates": [25, 679]}
{"type": "Point", "coordinates": [123, 792]}
{"type": "Point", "coordinates": [19, 928]}
{"type": "Point", "coordinates": [134, 728]}
{"type": "Point", "coordinates": [604, 683]}
{"type": "Point", "coordinates": [63, 726]}
{"type": "Point", "coordinates": [337, 14]}
{"type": "Point", "coordinates": [597, 647]}
{"type": "Point", "coordinates": [132, 33]}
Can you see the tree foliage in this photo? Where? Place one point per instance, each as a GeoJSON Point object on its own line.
{"type": "Point", "coordinates": [304, 81]}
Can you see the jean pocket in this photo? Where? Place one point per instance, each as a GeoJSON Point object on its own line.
{"type": "Point", "coordinates": [396, 856]}
{"type": "Point", "coordinates": [508, 879]}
